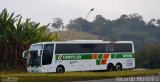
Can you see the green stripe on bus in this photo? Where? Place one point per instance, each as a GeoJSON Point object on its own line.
{"type": "Point", "coordinates": [127, 55]}
{"type": "Point", "coordinates": [73, 57]}
{"type": "Point", "coordinates": [98, 62]}
{"type": "Point", "coordinates": [100, 56]}
{"type": "Point", "coordinates": [86, 56]}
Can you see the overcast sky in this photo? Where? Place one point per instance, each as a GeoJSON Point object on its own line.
{"type": "Point", "coordinates": [44, 11]}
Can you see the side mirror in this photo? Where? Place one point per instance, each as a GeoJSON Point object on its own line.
{"type": "Point", "coordinates": [25, 54]}
{"type": "Point", "coordinates": [40, 52]}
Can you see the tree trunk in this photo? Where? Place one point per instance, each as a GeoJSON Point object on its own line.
{"type": "Point", "coordinates": [4, 54]}
{"type": "Point", "coordinates": [1, 47]}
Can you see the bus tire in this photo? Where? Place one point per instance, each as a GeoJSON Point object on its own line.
{"type": "Point", "coordinates": [110, 67]}
{"type": "Point", "coordinates": [118, 67]}
{"type": "Point", "coordinates": [60, 69]}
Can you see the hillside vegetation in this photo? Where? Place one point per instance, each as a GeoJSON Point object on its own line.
{"type": "Point", "coordinates": [127, 27]}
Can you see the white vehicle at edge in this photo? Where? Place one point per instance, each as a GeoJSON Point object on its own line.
{"type": "Point", "coordinates": [80, 55]}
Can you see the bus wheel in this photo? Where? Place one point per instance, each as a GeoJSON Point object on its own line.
{"type": "Point", "coordinates": [110, 67]}
{"type": "Point", "coordinates": [118, 67]}
{"type": "Point", "coordinates": [60, 69]}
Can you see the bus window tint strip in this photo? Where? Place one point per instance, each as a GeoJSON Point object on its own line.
{"type": "Point", "coordinates": [93, 48]}
{"type": "Point", "coordinates": [123, 47]}
{"type": "Point", "coordinates": [80, 48]}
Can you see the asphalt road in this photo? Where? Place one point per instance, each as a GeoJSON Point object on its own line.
{"type": "Point", "coordinates": [152, 78]}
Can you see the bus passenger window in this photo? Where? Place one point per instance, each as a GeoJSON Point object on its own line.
{"type": "Point", "coordinates": [123, 47]}
{"type": "Point", "coordinates": [109, 48]}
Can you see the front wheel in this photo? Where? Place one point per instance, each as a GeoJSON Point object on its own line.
{"type": "Point", "coordinates": [60, 69]}
{"type": "Point", "coordinates": [110, 67]}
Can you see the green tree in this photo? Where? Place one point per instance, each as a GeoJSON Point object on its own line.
{"type": "Point", "coordinates": [126, 27]}
{"type": "Point", "coordinates": [78, 24]}
{"type": "Point", "coordinates": [16, 36]}
{"type": "Point", "coordinates": [100, 25]}
{"type": "Point", "coordinates": [158, 22]}
{"type": "Point", "coordinates": [57, 23]}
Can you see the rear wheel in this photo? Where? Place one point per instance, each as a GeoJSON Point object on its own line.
{"type": "Point", "coordinates": [60, 69]}
{"type": "Point", "coordinates": [118, 67]}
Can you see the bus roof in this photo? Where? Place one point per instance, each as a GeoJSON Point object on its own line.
{"type": "Point", "coordinates": [84, 41]}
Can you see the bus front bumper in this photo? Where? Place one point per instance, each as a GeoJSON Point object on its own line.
{"type": "Point", "coordinates": [33, 69]}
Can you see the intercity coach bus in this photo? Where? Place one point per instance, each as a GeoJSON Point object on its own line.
{"type": "Point", "coordinates": [80, 55]}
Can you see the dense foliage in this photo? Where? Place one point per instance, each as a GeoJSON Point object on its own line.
{"type": "Point", "coordinates": [148, 57]}
{"type": "Point", "coordinates": [127, 27]}
{"type": "Point", "coordinates": [16, 36]}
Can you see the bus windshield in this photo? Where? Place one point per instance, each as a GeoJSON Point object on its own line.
{"type": "Point", "coordinates": [34, 59]}
{"type": "Point", "coordinates": [36, 47]}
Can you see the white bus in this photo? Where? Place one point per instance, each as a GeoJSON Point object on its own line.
{"type": "Point", "coordinates": [80, 55]}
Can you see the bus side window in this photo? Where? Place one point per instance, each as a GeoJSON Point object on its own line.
{"type": "Point", "coordinates": [86, 48]}
{"type": "Point", "coordinates": [99, 48]}
{"type": "Point", "coordinates": [67, 48]}
{"type": "Point", "coordinates": [93, 48]}
{"type": "Point", "coordinates": [123, 47]}
{"type": "Point", "coordinates": [109, 48]}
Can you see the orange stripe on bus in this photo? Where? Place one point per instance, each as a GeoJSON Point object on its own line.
{"type": "Point", "coordinates": [94, 56]}
{"type": "Point", "coordinates": [105, 56]}
{"type": "Point", "coordinates": [103, 61]}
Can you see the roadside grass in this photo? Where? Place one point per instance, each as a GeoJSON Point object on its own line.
{"type": "Point", "coordinates": [76, 76]}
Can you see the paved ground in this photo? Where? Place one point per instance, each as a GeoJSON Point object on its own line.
{"type": "Point", "coordinates": [103, 80]}
{"type": "Point", "coordinates": [155, 78]}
